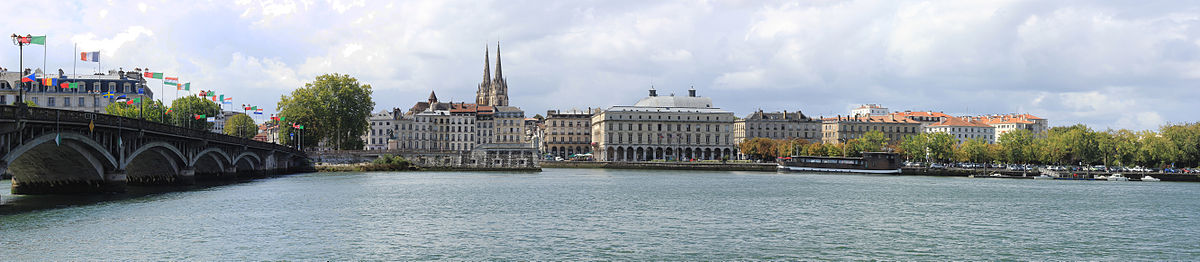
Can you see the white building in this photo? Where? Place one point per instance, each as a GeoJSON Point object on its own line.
{"type": "Point", "coordinates": [664, 128]}
{"type": "Point", "coordinates": [963, 130]}
{"type": "Point", "coordinates": [869, 110]}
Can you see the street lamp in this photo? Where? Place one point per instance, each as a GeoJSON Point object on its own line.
{"type": "Point", "coordinates": [21, 42]}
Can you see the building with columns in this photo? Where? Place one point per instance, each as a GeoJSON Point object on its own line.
{"type": "Point", "coordinates": [664, 128]}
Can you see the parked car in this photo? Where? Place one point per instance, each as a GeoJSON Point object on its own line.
{"type": "Point", "coordinates": [936, 165]}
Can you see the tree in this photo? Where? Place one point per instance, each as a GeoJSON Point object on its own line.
{"type": "Point", "coordinates": [871, 141]}
{"type": "Point", "coordinates": [241, 125]}
{"type": "Point", "coordinates": [1017, 146]}
{"type": "Point", "coordinates": [790, 147]}
{"type": "Point", "coordinates": [184, 111]}
{"type": "Point", "coordinates": [760, 148]}
{"type": "Point", "coordinates": [1186, 138]}
{"type": "Point", "coordinates": [1157, 150]}
{"type": "Point", "coordinates": [941, 146]}
{"type": "Point", "coordinates": [913, 146]}
{"type": "Point", "coordinates": [974, 150]}
{"type": "Point", "coordinates": [333, 108]}
{"type": "Point", "coordinates": [150, 110]}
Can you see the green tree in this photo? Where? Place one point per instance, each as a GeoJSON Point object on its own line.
{"type": "Point", "coordinates": [941, 146]}
{"type": "Point", "coordinates": [185, 109]}
{"type": "Point", "coordinates": [913, 146]}
{"type": "Point", "coordinates": [149, 110]}
{"type": "Point", "coordinates": [241, 125]}
{"type": "Point", "coordinates": [1186, 138]}
{"type": "Point", "coordinates": [1157, 150]}
{"type": "Point", "coordinates": [871, 141]}
{"type": "Point", "coordinates": [333, 108]}
{"type": "Point", "coordinates": [1017, 146]}
{"type": "Point", "coordinates": [975, 151]}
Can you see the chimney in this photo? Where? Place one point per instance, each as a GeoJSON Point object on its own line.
{"type": "Point", "coordinates": [692, 92]}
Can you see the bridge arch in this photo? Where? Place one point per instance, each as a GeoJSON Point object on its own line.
{"type": "Point", "coordinates": [256, 163]}
{"type": "Point", "coordinates": [211, 162]}
{"type": "Point", "coordinates": [74, 158]}
{"type": "Point", "coordinates": [154, 163]}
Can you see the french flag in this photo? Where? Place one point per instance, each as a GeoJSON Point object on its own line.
{"type": "Point", "coordinates": [89, 56]}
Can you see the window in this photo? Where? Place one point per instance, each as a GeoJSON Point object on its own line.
{"type": "Point", "coordinates": [49, 101]}
{"type": "Point", "coordinates": [66, 102]}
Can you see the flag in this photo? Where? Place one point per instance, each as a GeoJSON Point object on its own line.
{"type": "Point", "coordinates": [198, 117]}
{"type": "Point", "coordinates": [89, 56]}
{"type": "Point", "coordinates": [168, 111]}
{"type": "Point", "coordinates": [29, 78]}
{"type": "Point", "coordinates": [187, 86]}
{"type": "Point", "coordinates": [110, 94]}
{"type": "Point", "coordinates": [228, 101]}
{"type": "Point", "coordinates": [282, 118]}
{"type": "Point", "coordinates": [47, 81]}
{"type": "Point", "coordinates": [255, 108]}
{"type": "Point", "coordinates": [121, 98]}
{"type": "Point", "coordinates": [202, 94]}
{"type": "Point", "coordinates": [23, 40]}
{"type": "Point", "coordinates": [38, 40]}
{"type": "Point", "coordinates": [258, 111]}
{"type": "Point", "coordinates": [210, 119]}
{"type": "Point", "coordinates": [244, 106]}
{"type": "Point", "coordinates": [148, 74]}
{"type": "Point", "coordinates": [75, 85]}
{"type": "Point", "coordinates": [135, 100]}
{"type": "Point", "coordinates": [65, 85]}
{"type": "Point", "coordinates": [171, 81]}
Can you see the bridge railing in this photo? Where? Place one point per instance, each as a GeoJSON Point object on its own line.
{"type": "Point", "coordinates": [71, 117]}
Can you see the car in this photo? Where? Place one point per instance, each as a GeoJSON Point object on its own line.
{"type": "Point", "coordinates": [936, 165]}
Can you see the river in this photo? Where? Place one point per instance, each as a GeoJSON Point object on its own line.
{"type": "Point", "coordinates": [572, 214]}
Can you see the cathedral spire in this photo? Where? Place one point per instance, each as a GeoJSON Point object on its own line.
{"type": "Point", "coordinates": [499, 73]}
{"type": "Point", "coordinates": [487, 72]}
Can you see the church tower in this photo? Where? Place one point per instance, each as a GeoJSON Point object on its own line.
{"type": "Point", "coordinates": [484, 95]}
{"type": "Point", "coordinates": [499, 88]}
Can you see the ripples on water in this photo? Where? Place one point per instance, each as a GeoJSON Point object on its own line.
{"type": "Point", "coordinates": [571, 214]}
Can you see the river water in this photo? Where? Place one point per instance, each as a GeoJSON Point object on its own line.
{"type": "Point", "coordinates": [572, 214]}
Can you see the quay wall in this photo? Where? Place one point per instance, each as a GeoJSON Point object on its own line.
{"type": "Point", "coordinates": [764, 167]}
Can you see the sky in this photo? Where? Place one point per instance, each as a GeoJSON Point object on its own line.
{"type": "Point", "coordinates": [1106, 64]}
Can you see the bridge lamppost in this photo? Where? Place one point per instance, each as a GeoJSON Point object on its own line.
{"type": "Point", "coordinates": [21, 42]}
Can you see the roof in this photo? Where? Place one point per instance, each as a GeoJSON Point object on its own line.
{"type": "Point", "coordinates": [666, 109]}
{"type": "Point", "coordinates": [922, 114]}
{"type": "Point", "coordinates": [873, 119]}
{"type": "Point", "coordinates": [954, 121]}
{"type": "Point", "coordinates": [675, 101]}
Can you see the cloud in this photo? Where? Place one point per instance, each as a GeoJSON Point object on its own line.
{"type": "Point", "coordinates": [1105, 64]}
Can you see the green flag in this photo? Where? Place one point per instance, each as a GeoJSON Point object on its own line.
{"type": "Point", "coordinates": [39, 40]}
{"type": "Point", "coordinates": [74, 85]}
{"type": "Point", "coordinates": [187, 86]}
{"type": "Point", "coordinates": [158, 76]}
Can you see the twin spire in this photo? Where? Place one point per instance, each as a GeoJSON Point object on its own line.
{"type": "Point", "coordinates": [493, 91]}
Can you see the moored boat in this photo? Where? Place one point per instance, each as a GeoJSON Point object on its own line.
{"type": "Point", "coordinates": [1149, 178]}
{"type": "Point", "coordinates": [869, 163]}
{"type": "Point", "coordinates": [1117, 177]}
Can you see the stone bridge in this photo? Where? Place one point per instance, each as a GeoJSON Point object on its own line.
{"type": "Point", "coordinates": [51, 151]}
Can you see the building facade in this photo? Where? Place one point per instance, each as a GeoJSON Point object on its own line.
{"type": "Point", "coordinates": [664, 128]}
{"type": "Point", "coordinates": [1009, 122]}
{"type": "Point", "coordinates": [963, 130]}
{"type": "Point", "coordinates": [89, 97]}
{"type": "Point", "coordinates": [776, 125]}
{"type": "Point", "coordinates": [567, 132]}
{"type": "Point", "coordinates": [926, 118]}
{"type": "Point", "coordinates": [869, 110]}
{"type": "Point", "coordinates": [842, 129]}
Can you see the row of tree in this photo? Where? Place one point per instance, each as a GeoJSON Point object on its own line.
{"type": "Point", "coordinates": [1177, 145]}
{"type": "Point", "coordinates": [184, 112]}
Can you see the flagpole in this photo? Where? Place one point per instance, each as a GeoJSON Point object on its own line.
{"type": "Point", "coordinates": [75, 65]}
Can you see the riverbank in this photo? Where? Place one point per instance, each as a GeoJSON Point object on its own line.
{"type": "Point", "coordinates": [374, 167]}
{"type": "Point", "coordinates": [716, 166]}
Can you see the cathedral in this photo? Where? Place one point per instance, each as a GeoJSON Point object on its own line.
{"type": "Point", "coordinates": [492, 91]}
